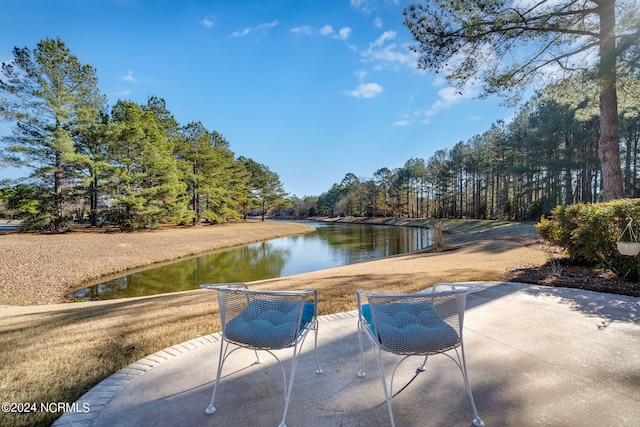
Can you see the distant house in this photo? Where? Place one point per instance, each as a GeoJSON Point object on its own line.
{"type": "Point", "coordinates": [105, 204]}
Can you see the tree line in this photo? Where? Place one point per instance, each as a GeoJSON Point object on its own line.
{"type": "Point", "coordinates": [508, 46]}
{"type": "Point", "coordinates": [546, 155]}
{"type": "Point", "coordinates": [131, 165]}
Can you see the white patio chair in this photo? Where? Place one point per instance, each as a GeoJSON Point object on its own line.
{"type": "Point", "coordinates": [265, 320]}
{"type": "Point", "coordinates": [420, 324]}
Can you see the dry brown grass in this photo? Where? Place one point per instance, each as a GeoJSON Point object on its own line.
{"type": "Point", "coordinates": [55, 353]}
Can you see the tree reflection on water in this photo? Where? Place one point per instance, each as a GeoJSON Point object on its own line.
{"type": "Point", "coordinates": [330, 245]}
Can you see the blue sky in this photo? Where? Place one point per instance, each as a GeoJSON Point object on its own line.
{"type": "Point", "coordinates": [313, 89]}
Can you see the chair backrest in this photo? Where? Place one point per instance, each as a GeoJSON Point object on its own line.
{"type": "Point", "coordinates": [420, 323]}
{"type": "Point", "coordinates": [265, 319]}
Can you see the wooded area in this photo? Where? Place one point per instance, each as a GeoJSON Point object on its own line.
{"type": "Point", "coordinates": [547, 155]}
{"type": "Point", "coordinates": [134, 166]}
{"type": "Point", "coordinates": [575, 140]}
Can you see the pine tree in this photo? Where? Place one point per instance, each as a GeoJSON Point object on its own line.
{"type": "Point", "coordinates": [50, 98]}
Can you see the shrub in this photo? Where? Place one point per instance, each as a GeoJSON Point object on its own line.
{"type": "Point", "coordinates": [31, 204]}
{"type": "Point", "coordinates": [589, 233]}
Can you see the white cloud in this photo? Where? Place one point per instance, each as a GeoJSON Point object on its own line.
{"type": "Point", "coordinates": [365, 6]}
{"type": "Point", "coordinates": [327, 30]}
{"type": "Point", "coordinates": [387, 35]}
{"type": "Point", "coordinates": [384, 51]}
{"type": "Point", "coordinates": [439, 80]}
{"type": "Point", "coordinates": [535, 4]}
{"type": "Point", "coordinates": [377, 22]}
{"type": "Point", "coordinates": [261, 27]}
{"type": "Point", "coordinates": [361, 74]}
{"type": "Point", "coordinates": [344, 33]}
{"type": "Point", "coordinates": [241, 33]}
{"type": "Point", "coordinates": [450, 96]}
{"type": "Point", "coordinates": [301, 30]}
{"type": "Point", "coordinates": [129, 77]}
{"type": "Point", "coordinates": [366, 90]}
{"type": "Point", "coordinates": [409, 117]}
{"type": "Point", "coordinates": [267, 25]}
{"type": "Point", "coordinates": [207, 21]}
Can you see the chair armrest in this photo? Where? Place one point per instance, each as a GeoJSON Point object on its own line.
{"type": "Point", "coordinates": [216, 286]}
{"type": "Point", "coordinates": [360, 295]}
{"type": "Point", "coordinates": [460, 287]}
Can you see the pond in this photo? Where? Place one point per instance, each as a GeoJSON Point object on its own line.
{"type": "Point", "coordinates": [331, 245]}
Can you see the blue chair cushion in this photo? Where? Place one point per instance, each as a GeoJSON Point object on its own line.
{"type": "Point", "coordinates": [268, 324]}
{"type": "Point", "coordinates": [410, 328]}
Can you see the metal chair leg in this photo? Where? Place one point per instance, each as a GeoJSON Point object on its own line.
{"type": "Point", "coordinates": [477, 421]}
{"type": "Point", "coordinates": [212, 409]}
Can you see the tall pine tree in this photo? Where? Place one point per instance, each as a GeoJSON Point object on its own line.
{"type": "Point", "coordinates": [49, 97]}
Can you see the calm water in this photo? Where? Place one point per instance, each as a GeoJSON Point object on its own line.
{"type": "Point", "coordinates": [331, 245]}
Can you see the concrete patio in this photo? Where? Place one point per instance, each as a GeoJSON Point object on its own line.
{"type": "Point", "coordinates": [536, 356]}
